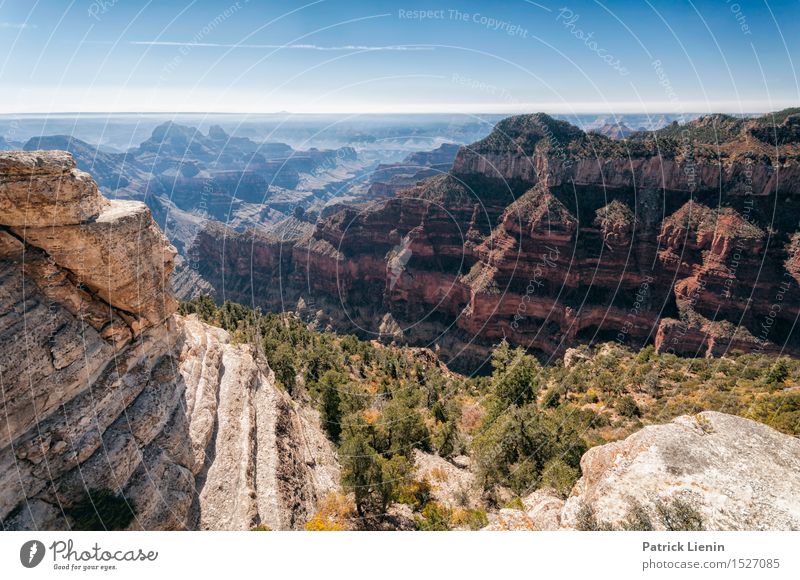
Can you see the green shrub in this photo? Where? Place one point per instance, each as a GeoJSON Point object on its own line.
{"type": "Point", "coordinates": [434, 518]}
{"type": "Point", "coordinates": [645, 355]}
{"type": "Point", "coordinates": [514, 448]}
{"type": "Point", "coordinates": [330, 412]}
{"type": "Point", "coordinates": [523, 475]}
{"type": "Point", "coordinates": [402, 425]}
{"type": "Point", "coordinates": [447, 440]}
{"type": "Point", "coordinates": [515, 504]}
{"type": "Point", "coordinates": [679, 515]}
{"type": "Point", "coordinates": [474, 519]}
{"type": "Point", "coordinates": [587, 521]}
{"type": "Point", "coordinates": [362, 473]}
{"type": "Point", "coordinates": [651, 384]}
{"type": "Point", "coordinates": [552, 397]}
{"type": "Point", "coordinates": [637, 518]}
{"type": "Point", "coordinates": [627, 407]}
{"type": "Point", "coordinates": [414, 493]}
{"type": "Point", "coordinates": [282, 361]}
{"type": "Point", "coordinates": [517, 381]}
{"type": "Point", "coordinates": [777, 373]}
{"type": "Point", "coordinates": [438, 412]}
{"type": "Point", "coordinates": [559, 477]}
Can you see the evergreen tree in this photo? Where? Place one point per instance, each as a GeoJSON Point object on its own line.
{"type": "Point", "coordinates": [362, 473]}
{"type": "Point", "coordinates": [282, 360]}
{"type": "Point", "coordinates": [517, 382]}
{"type": "Point", "coordinates": [403, 426]}
{"type": "Point", "coordinates": [330, 411]}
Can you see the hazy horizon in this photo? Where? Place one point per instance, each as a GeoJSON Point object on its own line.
{"type": "Point", "coordinates": [341, 57]}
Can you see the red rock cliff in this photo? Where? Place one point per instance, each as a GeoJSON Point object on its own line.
{"type": "Point", "coordinates": [684, 237]}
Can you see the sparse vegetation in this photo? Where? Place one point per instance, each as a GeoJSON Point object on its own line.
{"type": "Point", "coordinates": [627, 407]}
{"type": "Point", "coordinates": [378, 404]}
{"type": "Point", "coordinates": [434, 518]}
{"type": "Point", "coordinates": [679, 515]}
{"type": "Point", "coordinates": [638, 518]}
{"type": "Point", "coordinates": [473, 519]}
{"type": "Point", "coordinates": [333, 514]}
{"type": "Point", "coordinates": [587, 520]}
{"type": "Point", "coordinates": [675, 514]}
{"type": "Point", "coordinates": [559, 477]}
{"type": "Point", "coordinates": [525, 426]}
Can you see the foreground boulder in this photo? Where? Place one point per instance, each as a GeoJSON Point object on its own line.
{"type": "Point", "coordinates": [724, 473]}
{"type": "Point", "coordinates": [737, 473]}
{"type": "Point", "coordinates": [109, 394]}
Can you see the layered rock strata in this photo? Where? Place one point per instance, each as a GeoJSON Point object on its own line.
{"type": "Point", "coordinates": [685, 238]}
{"type": "Point", "coordinates": [106, 389]}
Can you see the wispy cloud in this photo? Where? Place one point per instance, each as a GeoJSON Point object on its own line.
{"type": "Point", "coordinates": [17, 25]}
{"type": "Point", "coordinates": [396, 47]}
{"type": "Point", "coordinates": [539, 5]}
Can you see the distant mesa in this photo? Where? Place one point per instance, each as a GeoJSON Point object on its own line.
{"type": "Point", "coordinates": [614, 131]}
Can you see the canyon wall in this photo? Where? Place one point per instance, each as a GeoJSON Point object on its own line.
{"type": "Point", "coordinates": [107, 390]}
{"type": "Point", "coordinates": [686, 238]}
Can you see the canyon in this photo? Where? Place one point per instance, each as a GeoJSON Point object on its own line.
{"type": "Point", "coordinates": [686, 237]}
{"type": "Point", "coordinates": [107, 391]}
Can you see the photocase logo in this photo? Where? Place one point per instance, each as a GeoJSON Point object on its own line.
{"type": "Point", "coordinates": [31, 553]}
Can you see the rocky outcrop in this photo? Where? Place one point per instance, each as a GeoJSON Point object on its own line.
{"type": "Point", "coordinates": [105, 388]}
{"type": "Point", "coordinates": [45, 189]}
{"type": "Point", "coordinates": [542, 512]}
{"type": "Point", "coordinates": [453, 483]}
{"type": "Point", "coordinates": [734, 473]}
{"type": "Point", "coordinates": [76, 291]}
{"type": "Point", "coordinates": [258, 457]}
{"type": "Point", "coordinates": [739, 474]}
{"type": "Point", "coordinates": [552, 237]}
{"type": "Point", "coordinates": [119, 254]}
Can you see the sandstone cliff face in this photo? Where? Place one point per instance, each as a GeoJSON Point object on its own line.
{"type": "Point", "coordinates": [257, 456]}
{"type": "Point", "coordinates": [105, 388]}
{"type": "Point", "coordinates": [45, 189]}
{"type": "Point", "coordinates": [685, 238]}
{"type": "Point", "coordinates": [736, 473]}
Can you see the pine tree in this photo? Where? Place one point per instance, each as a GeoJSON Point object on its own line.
{"type": "Point", "coordinates": [362, 473]}
{"type": "Point", "coordinates": [331, 414]}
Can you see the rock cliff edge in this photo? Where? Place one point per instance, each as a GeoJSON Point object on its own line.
{"type": "Point", "coordinates": [105, 389]}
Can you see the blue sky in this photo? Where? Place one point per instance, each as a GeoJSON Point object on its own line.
{"type": "Point", "coordinates": [338, 56]}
